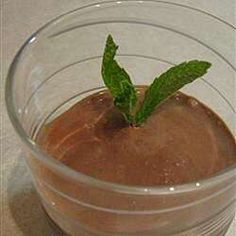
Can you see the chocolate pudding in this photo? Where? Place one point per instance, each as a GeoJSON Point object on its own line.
{"type": "Point", "coordinates": [182, 141]}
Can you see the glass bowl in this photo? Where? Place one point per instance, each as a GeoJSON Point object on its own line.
{"type": "Point", "coordinates": [60, 64]}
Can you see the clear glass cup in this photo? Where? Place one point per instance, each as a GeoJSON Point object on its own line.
{"type": "Point", "coordinates": [60, 64]}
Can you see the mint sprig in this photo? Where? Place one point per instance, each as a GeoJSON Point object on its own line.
{"type": "Point", "coordinates": [118, 81]}
{"type": "Point", "coordinates": [169, 83]}
{"type": "Point", "coordinates": [124, 93]}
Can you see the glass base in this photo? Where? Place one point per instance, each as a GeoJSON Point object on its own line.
{"type": "Point", "coordinates": [206, 225]}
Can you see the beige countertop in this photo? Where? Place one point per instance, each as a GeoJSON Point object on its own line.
{"type": "Point", "coordinates": [20, 209]}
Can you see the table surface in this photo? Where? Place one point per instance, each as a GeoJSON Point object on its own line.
{"type": "Point", "coordinates": [20, 209]}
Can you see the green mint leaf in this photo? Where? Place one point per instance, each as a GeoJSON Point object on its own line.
{"type": "Point", "coordinates": [118, 81]}
{"type": "Point", "coordinates": [169, 83]}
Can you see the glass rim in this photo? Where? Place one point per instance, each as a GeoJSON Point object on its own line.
{"type": "Point", "coordinates": [41, 155]}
